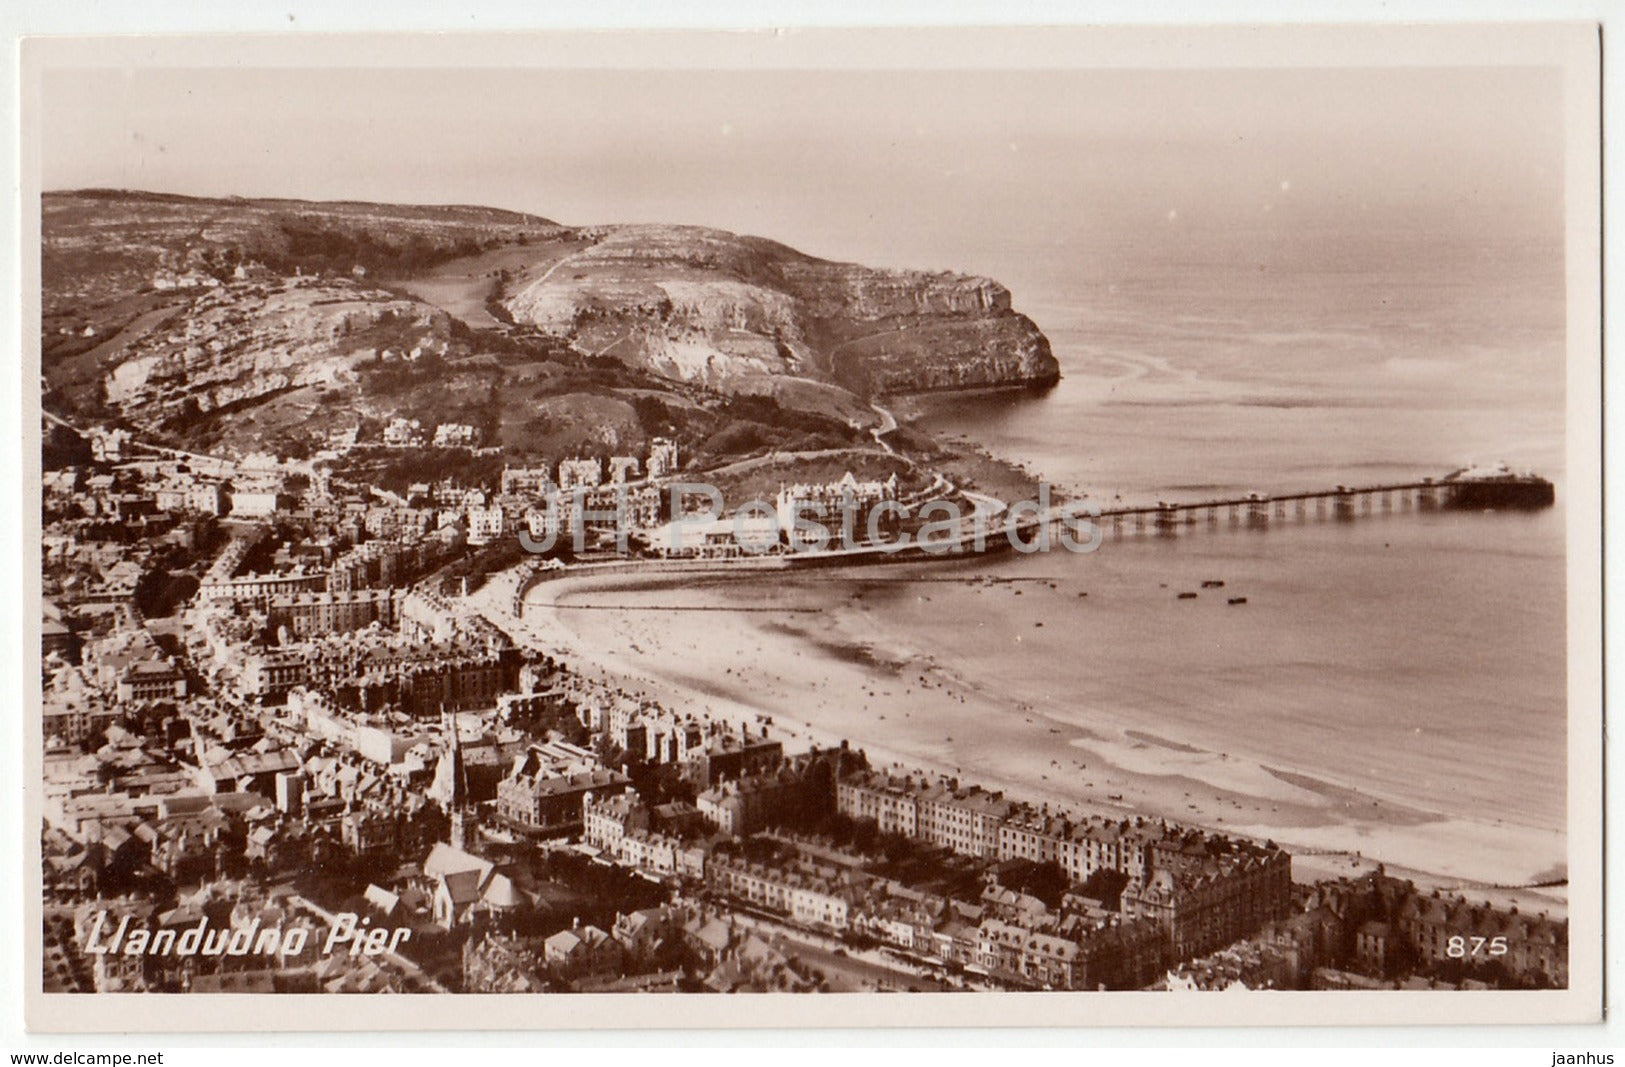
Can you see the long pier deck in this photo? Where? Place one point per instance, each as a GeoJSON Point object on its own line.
{"type": "Point", "coordinates": [1257, 510]}
{"type": "Point", "coordinates": [1260, 509]}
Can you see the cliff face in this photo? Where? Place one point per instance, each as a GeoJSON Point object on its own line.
{"type": "Point", "coordinates": [719, 309]}
{"type": "Point", "coordinates": [846, 290]}
{"type": "Point", "coordinates": [241, 343]}
{"type": "Point", "coordinates": [162, 310]}
{"type": "Point", "coordinates": [988, 351]}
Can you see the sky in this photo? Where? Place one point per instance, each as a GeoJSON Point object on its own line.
{"type": "Point", "coordinates": [931, 169]}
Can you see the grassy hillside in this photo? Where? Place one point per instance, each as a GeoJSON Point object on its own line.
{"type": "Point", "coordinates": [272, 324]}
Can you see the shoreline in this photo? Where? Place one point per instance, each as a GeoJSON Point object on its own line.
{"type": "Point", "coordinates": [922, 397]}
{"type": "Point", "coordinates": [798, 678]}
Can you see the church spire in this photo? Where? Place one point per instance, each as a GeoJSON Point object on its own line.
{"type": "Point", "coordinates": [459, 773]}
{"type": "Point", "coordinates": [457, 803]}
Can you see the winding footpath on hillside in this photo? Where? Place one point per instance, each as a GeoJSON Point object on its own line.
{"type": "Point", "coordinates": [888, 424]}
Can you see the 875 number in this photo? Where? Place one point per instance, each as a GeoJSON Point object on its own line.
{"type": "Point", "coordinates": [1462, 947]}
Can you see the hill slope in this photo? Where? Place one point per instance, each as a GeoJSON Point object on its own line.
{"type": "Point", "coordinates": [260, 322]}
{"type": "Point", "coordinates": [709, 306]}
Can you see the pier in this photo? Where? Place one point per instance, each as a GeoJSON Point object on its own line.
{"type": "Point", "coordinates": [1497, 489]}
{"type": "Point", "coordinates": [1342, 504]}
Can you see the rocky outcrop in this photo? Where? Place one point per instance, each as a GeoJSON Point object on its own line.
{"type": "Point", "coordinates": [714, 308]}
{"type": "Point", "coordinates": [166, 306]}
{"type": "Point", "coordinates": [838, 291]}
{"type": "Point", "coordinates": [241, 342]}
{"type": "Point", "coordinates": [987, 352]}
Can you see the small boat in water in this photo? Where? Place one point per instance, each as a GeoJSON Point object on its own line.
{"type": "Point", "coordinates": [1213, 583]}
{"type": "Point", "coordinates": [1187, 596]}
{"type": "Point", "coordinates": [1238, 600]}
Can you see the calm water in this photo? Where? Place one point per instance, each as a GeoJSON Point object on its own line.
{"type": "Point", "coordinates": [1417, 658]}
{"type": "Point", "coordinates": [1421, 657]}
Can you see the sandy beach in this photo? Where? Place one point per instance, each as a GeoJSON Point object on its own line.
{"type": "Point", "coordinates": [826, 676]}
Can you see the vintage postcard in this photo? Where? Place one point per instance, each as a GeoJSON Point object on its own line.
{"type": "Point", "coordinates": [645, 529]}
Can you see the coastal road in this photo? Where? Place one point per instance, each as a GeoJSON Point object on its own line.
{"type": "Point", "coordinates": [743, 465]}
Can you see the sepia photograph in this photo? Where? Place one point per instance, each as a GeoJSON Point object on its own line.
{"type": "Point", "coordinates": [1048, 525]}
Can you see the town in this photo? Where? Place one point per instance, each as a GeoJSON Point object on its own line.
{"type": "Point", "coordinates": [275, 710]}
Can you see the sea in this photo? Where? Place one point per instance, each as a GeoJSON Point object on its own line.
{"type": "Point", "coordinates": [1420, 658]}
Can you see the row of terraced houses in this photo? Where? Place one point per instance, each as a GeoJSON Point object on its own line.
{"type": "Point", "coordinates": [1204, 890]}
